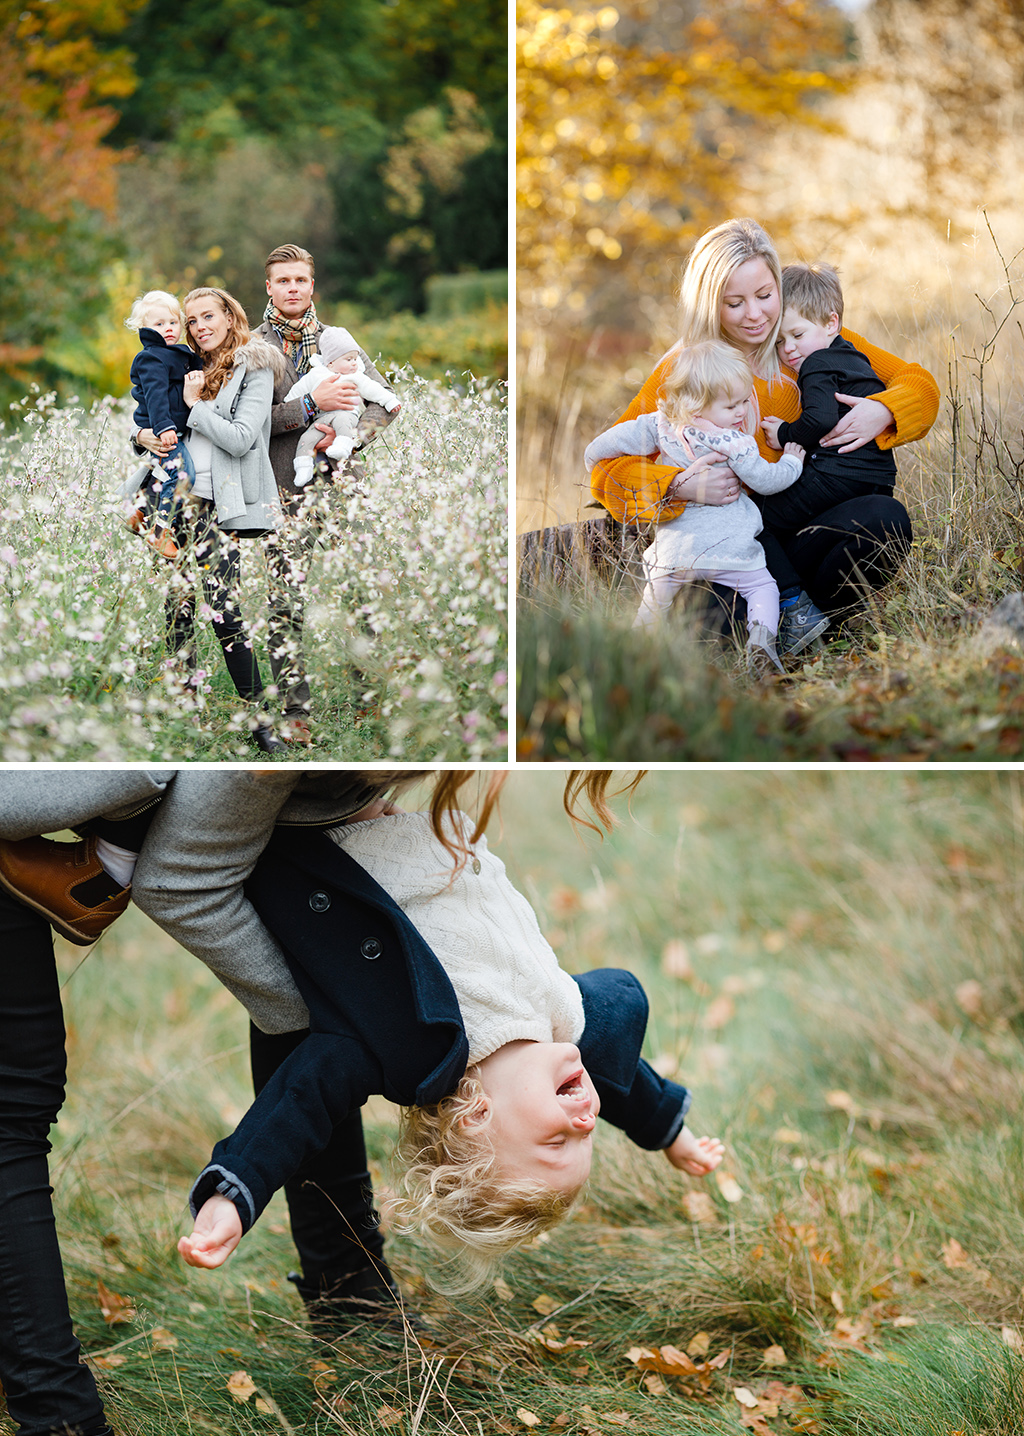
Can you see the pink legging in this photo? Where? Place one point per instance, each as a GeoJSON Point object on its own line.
{"type": "Point", "coordinates": [755, 584]}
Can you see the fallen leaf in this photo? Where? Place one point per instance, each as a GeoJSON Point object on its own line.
{"type": "Point", "coordinates": [562, 1419]}
{"type": "Point", "coordinates": [699, 1207]}
{"type": "Point", "coordinates": [389, 1416]}
{"type": "Point", "coordinates": [545, 1304]}
{"type": "Point", "coordinates": [1012, 1337]}
{"type": "Point", "coordinates": [904, 1321]}
{"type": "Point", "coordinates": [502, 1290]}
{"type": "Point", "coordinates": [616, 1418]}
{"type": "Point", "coordinates": [788, 1134]}
{"type": "Point", "coordinates": [970, 997]}
{"type": "Point", "coordinates": [754, 1421]}
{"type": "Point", "coordinates": [700, 1344]}
{"type": "Point", "coordinates": [527, 1417]}
{"type": "Point", "coordinates": [241, 1386]}
{"type": "Point", "coordinates": [837, 1301]}
{"type": "Point", "coordinates": [107, 1361]}
{"type": "Point", "coordinates": [774, 1356]}
{"type": "Point", "coordinates": [163, 1339]}
{"type": "Point", "coordinates": [745, 1397]}
{"type": "Point", "coordinates": [728, 1186]}
{"type": "Point", "coordinates": [552, 1343]}
{"type": "Point", "coordinates": [267, 1407]}
{"type": "Point", "coordinates": [655, 1385]}
{"type": "Point", "coordinates": [953, 1255]}
{"type": "Point", "coordinates": [114, 1308]}
{"type": "Point", "coordinates": [842, 1101]}
{"type": "Point", "coordinates": [720, 1011]}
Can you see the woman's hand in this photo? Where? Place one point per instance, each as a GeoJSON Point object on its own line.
{"type": "Point", "coordinates": [217, 1232]}
{"type": "Point", "coordinates": [195, 382]}
{"type": "Point", "coordinates": [706, 481]}
{"type": "Point", "coordinates": [867, 418]}
{"type": "Point", "coordinates": [146, 439]}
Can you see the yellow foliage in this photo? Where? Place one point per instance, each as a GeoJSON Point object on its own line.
{"type": "Point", "coordinates": [103, 358]}
{"type": "Point", "coordinates": [625, 150]}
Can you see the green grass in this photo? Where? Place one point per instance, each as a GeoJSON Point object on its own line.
{"type": "Point", "coordinates": [833, 963]}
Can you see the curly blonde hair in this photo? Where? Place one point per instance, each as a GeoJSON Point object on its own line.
{"type": "Point", "coordinates": [455, 1194]}
{"type": "Point", "coordinates": [699, 375]}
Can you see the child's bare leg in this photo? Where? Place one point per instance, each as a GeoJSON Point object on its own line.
{"type": "Point", "coordinates": [696, 1155]}
{"type": "Point", "coordinates": [217, 1231]}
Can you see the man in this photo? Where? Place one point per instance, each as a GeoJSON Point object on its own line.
{"type": "Point", "coordinates": [290, 323]}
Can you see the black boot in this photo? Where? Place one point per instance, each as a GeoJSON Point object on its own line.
{"type": "Point", "coordinates": [368, 1294]}
{"type": "Point", "coordinates": [266, 740]}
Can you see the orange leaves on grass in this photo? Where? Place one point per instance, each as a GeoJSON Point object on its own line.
{"type": "Point", "coordinates": [241, 1386]}
{"type": "Point", "coordinates": [115, 1308]}
{"type": "Point", "coordinates": [670, 1361]}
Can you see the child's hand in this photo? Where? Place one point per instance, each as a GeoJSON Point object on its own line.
{"type": "Point", "coordinates": [770, 425]}
{"type": "Point", "coordinates": [696, 1155]}
{"type": "Point", "coordinates": [795, 451]}
{"type": "Point", "coordinates": [195, 381]}
{"type": "Point", "coordinates": [217, 1232]}
{"type": "Point", "coordinates": [169, 437]}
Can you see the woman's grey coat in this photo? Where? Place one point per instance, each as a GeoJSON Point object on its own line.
{"type": "Point", "coordinates": [237, 422]}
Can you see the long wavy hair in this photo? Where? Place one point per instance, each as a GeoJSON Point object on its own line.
{"type": "Point", "coordinates": [218, 363]}
{"type": "Point", "coordinates": [713, 260]}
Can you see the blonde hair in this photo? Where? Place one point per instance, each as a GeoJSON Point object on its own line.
{"type": "Point", "coordinates": [146, 303]}
{"type": "Point", "coordinates": [456, 1195]}
{"type": "Point", "coordinates": [813, 290]}
{"type": "Point", "coordinates": [699, 375]}
{"type": "Point", "coordinates": [713, 260]}
{"type": "Point", "coordinates": [219, 362]}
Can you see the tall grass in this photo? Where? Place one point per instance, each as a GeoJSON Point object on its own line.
{"type": "Point", "coordinates": [833, 964]}
{"type": "Point", "coordinates": [406, 597]}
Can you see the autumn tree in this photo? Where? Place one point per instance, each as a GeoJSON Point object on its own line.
{"type": "Point", "coordinates": [627, 149]}
{"type": "Point", "coordinates": [56, 176]}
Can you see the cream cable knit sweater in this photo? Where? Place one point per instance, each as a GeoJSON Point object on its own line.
{"type": "Point", "coordinates": [485, 934]}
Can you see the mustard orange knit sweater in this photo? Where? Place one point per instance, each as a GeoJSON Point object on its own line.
{"type": "Point", "coordinates": [633, 488]}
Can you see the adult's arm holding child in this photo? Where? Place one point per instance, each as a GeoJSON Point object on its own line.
{"type": "Point", "coordinates": [911, 399]}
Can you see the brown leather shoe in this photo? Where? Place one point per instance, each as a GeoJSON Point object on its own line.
{"type": "Point", "coordinates": [54, 879]}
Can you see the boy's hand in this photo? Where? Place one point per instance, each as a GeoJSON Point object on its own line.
{"type": "Point", "coordinates": [194, 383]}
{"type": "Point", "coordinates": [217, 1232]}
{"type": "Point", "coordinates": [795, 451]}
{"type": "Point", "coordinates": [696, 1155]}
{"type": "Point", "coordinates": [770, 425]}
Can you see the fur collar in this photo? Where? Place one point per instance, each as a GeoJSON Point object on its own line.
{"type": "Point", "coordinates": [258, 354]}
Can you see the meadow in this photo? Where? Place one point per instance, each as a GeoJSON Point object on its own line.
{"type": "Point", "coordinates": [833, 962]}
{"type": "Point", "coordinates": [406, 595]}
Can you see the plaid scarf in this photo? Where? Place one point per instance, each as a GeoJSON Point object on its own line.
{"type": "Point", "coordinates": [299, 336]}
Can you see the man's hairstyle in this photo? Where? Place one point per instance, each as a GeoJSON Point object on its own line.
{"type": "Point", "coordinates": [813, 290]}
{"type": "Point", "coordinates": [288, 254]}
{"type": "Point", "coordinates": [699, 375]}
{"type": "Point", "coordinates": [457, 1195]}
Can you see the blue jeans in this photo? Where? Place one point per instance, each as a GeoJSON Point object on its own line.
{"type": "Point", "coordinates": [177, 474]}
{"type": "Point", "coordinates": [47, 1389]}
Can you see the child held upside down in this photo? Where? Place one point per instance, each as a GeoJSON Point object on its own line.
{"type": "Point", "coordinates": [705, 409]}
{"type": "Point", "coordinates": [496, 1150]}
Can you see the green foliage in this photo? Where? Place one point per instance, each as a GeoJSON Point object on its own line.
{"type": "Point", "coordinates": [432, 45]}
{"type": "Point", "coordinates": [451, 294]}
{"type": "Point", "coordinates": [474, 343]}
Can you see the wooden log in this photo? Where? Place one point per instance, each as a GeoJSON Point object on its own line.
{"type": "Point", "coordinates": [568, 554]}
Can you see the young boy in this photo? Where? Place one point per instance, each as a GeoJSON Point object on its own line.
{"type": "Point", "coordinates": [825, 363]}
{"type": "Point", "coordinates": [339, 354]}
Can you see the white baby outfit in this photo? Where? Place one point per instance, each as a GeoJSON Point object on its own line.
{"type": "Point", "coordinates": [705, 541]}
{"type": "Point", "coordinates": [333, 343]}
{"type": "Point", "coordinates": [484, 933]}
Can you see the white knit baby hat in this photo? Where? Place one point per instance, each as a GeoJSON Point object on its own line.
{"type": "Point", "coordinates": [334, 343]}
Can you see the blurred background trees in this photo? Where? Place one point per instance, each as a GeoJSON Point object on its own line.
{"type": "Point", "coordinates": [174, 142]}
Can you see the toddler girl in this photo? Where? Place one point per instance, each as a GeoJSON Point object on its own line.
{"type": "Point", "coordinates": [339, 354]}
{"type": "Point", "coordinates": [158, 382]}
{"type": "Point", "coordinates": [705, 408]}
{"type": "Point", "coordinates": [498, 1144]}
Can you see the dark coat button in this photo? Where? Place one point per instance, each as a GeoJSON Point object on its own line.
{"type": "Point", "coordinates": [370, 948]}
{"type": "Point", "coordinates": [319, 902]}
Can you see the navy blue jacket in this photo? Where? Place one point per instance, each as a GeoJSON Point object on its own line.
{"type": "Point", "coordinates": [839, 368]}
{"type": "Point", "coordinates": [157, 374]}
{"type": "Point", "coordinates": [384, 1018]}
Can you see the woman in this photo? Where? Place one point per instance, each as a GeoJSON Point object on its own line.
{"type": "Point", "coordinates": [235, 494]}
{"type": "Point", "coordinates": [731, 290]}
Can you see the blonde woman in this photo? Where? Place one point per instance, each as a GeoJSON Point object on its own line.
{"type": "Point", "coordinates": [731, 290]}
{"type": "Point", "coordinates": [234, 496]}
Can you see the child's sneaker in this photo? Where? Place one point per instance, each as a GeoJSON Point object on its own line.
{"type": "Point", "coordinates": [799, 625]}
{"type": "Point", "coordinates": [161, 540]}
{"type": "Point", "coordinates": [762, 657]}
{"type": "Point", "coordinates": [66, 882]}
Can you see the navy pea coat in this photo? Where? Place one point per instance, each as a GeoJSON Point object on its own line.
{"type": "Point", "coordinates": [384, 1019]}
{"type": "Point", "coordinates": [157, 375]}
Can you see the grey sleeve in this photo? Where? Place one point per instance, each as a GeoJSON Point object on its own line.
{"type": "Point", "coordinates": [34, 802]}
{"type": "Point", "coordinates": [635, 436]}
{"type": "Point", "coordinates": [199, 850]}
{"type": "Point", "coordinates": [763, 477]}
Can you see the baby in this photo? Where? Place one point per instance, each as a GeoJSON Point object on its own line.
{"type": "Point", "coordinates": [339, 354]}
{"type": "Point", "coordinates": [158, 380]}
{"type": "Point", "coordinates": [704, 409]}
{"type": "Point", "coordinates": [505, 1153]}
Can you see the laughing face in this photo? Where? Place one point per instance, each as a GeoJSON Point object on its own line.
{"type": "Point", "coordinates": [543, 1112]}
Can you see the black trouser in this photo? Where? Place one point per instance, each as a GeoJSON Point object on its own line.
{"type": "Point", "coordinates": [330, 1198]}
{"type": "Point", "coordinates": [855, 545]}
{"type": "Point", "coordinates": [218, 559]}
{"type": "Point", "coordinates": [47, 1389]}
{"type": "Point", "coordinates": [809, 500]}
